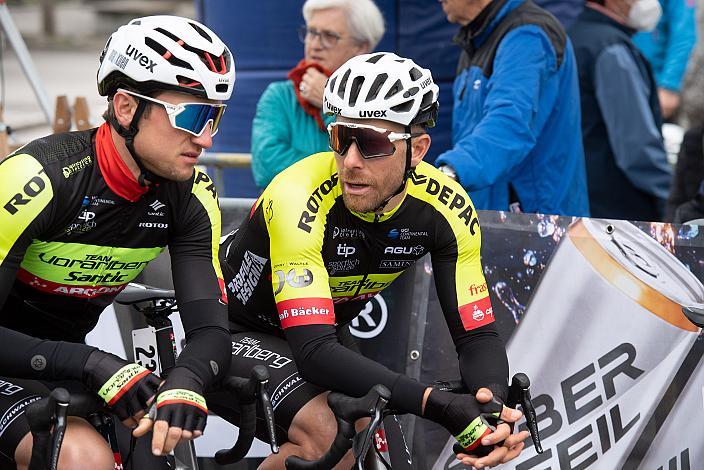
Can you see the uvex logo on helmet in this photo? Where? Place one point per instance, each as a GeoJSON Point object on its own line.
{"type": "Point", "coordinates": [143, 60]}
{"type": "Point", "coordinates": [331, 108]}
{"type": "Point", "coordinates": [377, 113]}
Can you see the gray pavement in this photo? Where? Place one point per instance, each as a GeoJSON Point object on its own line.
{"type": "Point", "coordinates": [66, 63]}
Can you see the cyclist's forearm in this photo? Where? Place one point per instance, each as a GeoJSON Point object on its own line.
{"type": "Point", "coordinates": [483, 363]}
{"type": "Point", "coordinates": [208, 350]}
{"type": "Point", "coordinates": [325, 362]}
{"type": "Point", "coordinates": [27, 357]}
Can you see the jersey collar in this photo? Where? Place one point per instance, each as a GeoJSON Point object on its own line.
{"type": "Point", "coordinates": [376, 217]}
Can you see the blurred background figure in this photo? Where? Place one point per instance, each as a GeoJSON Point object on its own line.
{"type": "Point", "coordinates": [516, 133]}
{"type": "Point", "coordinates": [566, 11]}
{"type": "Point", "coordinates": [627, 170]}
{"type": "Point", "coordinates": [687, 195]}
{"type": "Point", "coordinates": [289, 123]}
{"type": "Point", "coordinates": [667, 48]}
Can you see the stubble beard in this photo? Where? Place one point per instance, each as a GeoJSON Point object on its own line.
{"type": "Point", "coordinates": [374, 199]}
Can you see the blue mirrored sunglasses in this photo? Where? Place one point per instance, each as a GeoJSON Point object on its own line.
{"type": "Point", "coordinates": [189, 117]}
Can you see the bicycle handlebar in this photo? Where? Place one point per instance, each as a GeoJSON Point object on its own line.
{"type": "Point", "coordinates": [347, 410]}
{"type": "Point", "coordinates": [52, 411]}
{"type": "Point", "coordinates": [248, 391]}
{"type": "Point", "coordinates": [518, 393]}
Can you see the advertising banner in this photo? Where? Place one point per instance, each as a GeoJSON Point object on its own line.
{"type": "Point", "coordinates": [591, 310]}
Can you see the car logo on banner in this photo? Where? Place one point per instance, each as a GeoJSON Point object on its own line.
{"type": "Point", "coordinates": [371, 320]}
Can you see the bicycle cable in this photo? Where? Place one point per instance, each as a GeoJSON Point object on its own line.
{"type": "Point", "coordinates": [133, 444]}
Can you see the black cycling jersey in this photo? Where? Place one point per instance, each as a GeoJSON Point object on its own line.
{"type": "Point", "coordinates": [75, 228]}
{"type": "Point", "coordinates": [303, 264]}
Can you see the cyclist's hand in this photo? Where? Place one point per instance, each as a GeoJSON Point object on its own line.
{"type": "Point", "coordinates": [506, 446]}
{"type": "Point", "coordinates": [126, 387]}
{"type": "Point", "coordinates": [181, 411]}
{"type": "Point", "coordinates": [467, 419]}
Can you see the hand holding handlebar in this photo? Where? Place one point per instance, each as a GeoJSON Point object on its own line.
{"type": "Point", "coordinates": [126, 387]}
{"type": "Point", "coordinates": [248, 391]}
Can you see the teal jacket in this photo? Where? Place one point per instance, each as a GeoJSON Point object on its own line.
{"type": "Point", "coordinates": [282, 133]}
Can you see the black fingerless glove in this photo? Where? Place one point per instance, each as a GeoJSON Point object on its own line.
{"type": "Point", "coordinates": [466, 419]}
{"type": "Point", "coordinates": [125, 386]}
{"type": "Point", "coordinates": [180, 401]}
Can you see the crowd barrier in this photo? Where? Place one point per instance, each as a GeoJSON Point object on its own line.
{"type": "Point", "coordinates": [590, 310]}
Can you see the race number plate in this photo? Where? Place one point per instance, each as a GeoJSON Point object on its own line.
{"type": "Point", "coordinates": [144, 347]}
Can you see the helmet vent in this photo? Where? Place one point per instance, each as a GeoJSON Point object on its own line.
{"type": "Point", "coordinates": [343, 84]}
{"type": "Point", "coordinates": [221, 87]}
{"type": "Point", "coordinates": [376, 86]}
{"type": "Point", "coordinates": [415, 74]}
{"type": "Point", "coordinates": [427, 100]}
{"type": "Point", "coordinates": [331, 85]}
{"type": "Point", "coordinates": [162, 51]}
{"type": "Point", "coordinates": [200, 31]}
{"type": "Point", "coordinates": [167, 34]}
{"type": "Point", "coordinates": [410, 92]}
{"type": "Point", "coordinates": [356, 86]}
{"type": "Point", "coordinates": [189, 82]}
{"type": "Point", "coordinates": [403, 107]}
{"type": "Point", "coordinates": [374, 59]}
{"type": "Point", "coordinates": [394, 89]}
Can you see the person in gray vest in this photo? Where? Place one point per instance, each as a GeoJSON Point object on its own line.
{"type": "Point", "coordinates": [627, 171]}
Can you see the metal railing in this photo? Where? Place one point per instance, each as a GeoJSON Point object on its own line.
{"type": "Point", "coordinates": [221, 160]}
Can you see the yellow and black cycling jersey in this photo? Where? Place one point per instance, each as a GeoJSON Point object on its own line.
{"type": "Point", "coordinates": [303, 258]}
{"type": "Point", "coordinates": [75, 229]}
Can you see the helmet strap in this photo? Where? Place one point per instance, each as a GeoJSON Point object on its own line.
{"type": "Point", "coordinates": [406, 172]}
{"type": "Point", "coordinates": [128, 134]}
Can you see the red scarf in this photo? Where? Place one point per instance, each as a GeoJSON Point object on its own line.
{"type": "Point", "coordinates": [118, 177]}
{"type": "Point", "coordinates": [296, 75]}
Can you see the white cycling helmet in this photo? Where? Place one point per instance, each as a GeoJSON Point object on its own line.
{"type": "Point", "coordinates": [157, 53]}
{"type": "Point", "coordinates": [385, 86]}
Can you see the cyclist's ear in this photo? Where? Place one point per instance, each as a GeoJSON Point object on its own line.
{"type": "Point", "coordinates": [419, 147]}
{"type": "Point", "coordinates": [124, 107]}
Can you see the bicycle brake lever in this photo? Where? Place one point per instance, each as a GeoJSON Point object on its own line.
{"type": "Point", "coordinates": [362, 441]}
{"type": "Point", "coordinates": [520, 385]}
{"type": "Point", "coordinates": [263, 394]}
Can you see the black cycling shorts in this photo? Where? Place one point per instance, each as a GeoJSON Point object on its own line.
{"type": "Point", "coordinates": [15, 395]}
{"type": "Point", "coordinates": [288, 391]}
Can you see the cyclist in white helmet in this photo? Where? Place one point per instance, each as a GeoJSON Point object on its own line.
{"type": "Point", "coordinates": [334, 230]}
{"type": "Point", "coordinates": [88, 210]}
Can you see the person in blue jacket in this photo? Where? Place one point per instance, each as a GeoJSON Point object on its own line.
{"type": "Point", "coordinates": [516, 119]}
{"type": "Point", "coordinates": [667, 48]}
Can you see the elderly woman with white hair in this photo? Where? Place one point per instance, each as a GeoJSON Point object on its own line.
{"type": "Point", "coordinates": [289, 123]}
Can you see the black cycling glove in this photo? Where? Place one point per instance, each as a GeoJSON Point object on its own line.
{"type": "Point", "coordinates": [466, 419]}
{"type": "Point", "coordinates": [180, 401]}
{"type": "Point", "coordinates": [126, 387]}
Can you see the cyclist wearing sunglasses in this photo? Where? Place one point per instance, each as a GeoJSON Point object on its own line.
{"type": "Point", "coordinates": [84, 212]}
{"type": "Point", "coordinates": [335, 229]}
